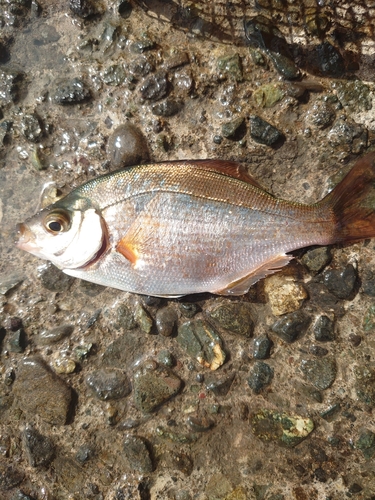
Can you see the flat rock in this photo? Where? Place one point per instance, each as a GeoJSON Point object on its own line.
{"type": "Point", "coordinates": [39, 391]}
{"type": "Point", "coordinates": [108, 383]}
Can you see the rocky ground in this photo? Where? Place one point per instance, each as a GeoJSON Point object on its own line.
{"type": "Point", "coordinates": [107, 395]}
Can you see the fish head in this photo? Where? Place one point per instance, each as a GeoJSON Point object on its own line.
{"type": "Point", "coordinates": [69, 237]}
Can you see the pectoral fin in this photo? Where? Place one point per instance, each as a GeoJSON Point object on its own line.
{"type": "Point", "coordinates": [242, 285]}
{"type": "Point", "coordinates": [128, 250]}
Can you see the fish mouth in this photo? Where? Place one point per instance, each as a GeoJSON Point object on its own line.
{"type": "Point", "coordinates": [24, 237]}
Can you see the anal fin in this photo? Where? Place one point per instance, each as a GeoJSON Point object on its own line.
{"type": "Point", "coordinates": [242, 285]}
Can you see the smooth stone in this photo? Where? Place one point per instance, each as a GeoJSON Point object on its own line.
{"type": "Point", "coordinates": [54, 335]}
{"type": "Point", "coordinates": [262, 347]}
{"type": "Point", "coordinates": [221, 385]}
{"type": "Point", "coordinates": [366, 443]}
{"type": "Point", "coordinates": [40, 392]}
{"type": "Point", "coordinates": [127, 146]}
{"type": "Point", "coordinates": [324, 329]}
{"type": "Point", "coordinates": [107, 384]}
{"type": "Point", "coordinates": [169, 107]}
{"type": "Point", "coordinates": [318, 351]}
{"type": "Point", "coordinates": [321, 372]}
{"type": "Point", "coordinates": [72, 91]}
{"type": "Point", "coordinates": [166, 320]}
{"type": "Point", "coordinates": [138, 455]}
{"type": "Point", "coordinates": [284, 295]}
{"type": "Point", "coordinates": [263, 132]}
{"type": "Point", "coordinates": [235, 317]}
{"type": "Point", "coordinates": [284, 429]}
{"type": "Point", "coordinates": [331, 413]}
{"type": "Point", "coordinates": [199, 424]}
{"type": "Point", "coordinates": [155, 86]}
{"type": "Point", "coordinates": [143, 319]}
{"type": "Point", "coordinates": [31, 127]}
{"type": "Point", "coordinates": [291, 326]}
{"type": "Point", "coordinates": [53, 279]}
{"type": "Point", "coordinates": [341, 282]}
{"type": "Point", "coordinates": [317, 259]}
{"type": "Point", "coordinates": [40, 450]}
{"type": "Point", "coordinates": [154, 385]}
{"type": "Point", "coordinates": [261, 376]}
{"type": "Point", "coordinates": [202, 343]}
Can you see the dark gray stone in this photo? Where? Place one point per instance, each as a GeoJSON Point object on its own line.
{"type": "Point", "coordinates": [127, 146]}
{"type": "Point", "coordinates": [291, 326]}
{"type": "Point", "coordinates": [155, 87]}
{"type": "Point", "coordinates": [321, 372]}
{"type": "Point", "coordinates": [329, 60]}
{"type": "Point", "coordinates": [138, 456]}
{"type": "Point", "coordinates": [55, 280]}
{"type": "Point", "coordinates": [167, 108]}
{"type": "Point", "coordinates": [365, 384]}
{"type": "Point", "coordinates": [82, 8]}
{"type": "Point", "coordinates": [166, 320]}
{"type": "Point", "coordinates": [10, 82]}
{"type": "Point", "coordinates": [108, 383]}
{"type": "Point", "coordinates": [260, 376]}
{"type": "Point", "coordinates": [219, 385]}
{"type": "Point", "coordinates": [40, 450]}
{"type": "Point", "coordinates": [189, 309]}
{"type": "Point", "coordinates": [234, 129]}
{"type": "Point", "coordinates": [317, 259]}
{"type": "Point", "coordinates": [321, 115]}
{"type": "Point", "coordinates": [84, 453]}
{"type": "Point", "coordinates": [154, 385]}
{"type": "Point", "coordinates": [10, 476]}
{"type": "Point", "coordinates": [114, 75]}
{"type": "Point", "coordinates": [262, 347]}
{"type": "Point", "coordinates": [366, 443]}
{"type": "Point", "coordinates": [72, 91]}
{"type": "Point", "coordinates": [235, 317]}
{"type": "Point", "coordinates": [324, 329]}
{"type": "Point", "coordinates": [17, 341]}
{"type": "Point", "coordinates": [263, 132]}
{"type": "Point", "coordinates": [140, 67]}
{"type": "Point", "coordinates": [341, 282]}
{"type": "Point", "coordinates": [31, 127]}
{"type": "Point", "coordinates": [39, 391]}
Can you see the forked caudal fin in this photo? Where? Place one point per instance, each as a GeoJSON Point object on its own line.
{"type": "Point", "coordinates": [353, 202]}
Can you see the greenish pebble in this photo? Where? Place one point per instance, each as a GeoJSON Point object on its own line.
{"type": "Point", "coordinates": [366, 443]}
{"type": "Point", "coordinates": [369, 319]}
{"type": "Point", "coordinates": [125, 318]}
{"type": "Point", "coordinates": [286, 430]}
{"type": "Point", "coordinates": [262, 347]}
{"type": "Point", "coordinates": [268, 95]}
{"type": "Point", "coordinates": [355, 95]}
{"type": "Point", "coordinates": [201, 342]}
{"type": "Point", "coordinates": [365, 384]}
{"type": "Point", "coordinates": [17, 341]}
{"type": "Point", "coordinates": [165, 320]}
{"type": "Point", "coordinates": [114, 75]}
{"type": "Point", "coordinates": [154, 385]}
{"type": "Point", "coordinates": [235, 317]}
{"type": "Point", "coordinates": [175, 437]}
{"type": "Point", "coordinates": [165, 358]}
{"type": "Point", "coordinates": [231, 66]}
{"type": "Point", "coordinates": [331, 413]}
{"type": "Point", "coordinates": [82, 351]}
{"type": "Point", "coordinates": [317, 259]}
{"type": "Point", "coordinates": [232, 129]}
{"type": "Point", "coordinates": [261, 376]}
{"type": "Point", "coordinates": [321, 372]}
{"type": "Point", "coordinates": [143, 319]}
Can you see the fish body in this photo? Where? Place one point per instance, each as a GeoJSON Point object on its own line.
{"type": "Point", "coordinates": [177, 228]}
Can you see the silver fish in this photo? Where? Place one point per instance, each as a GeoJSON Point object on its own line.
{"type": "Point", "coordinates": [184, 227]}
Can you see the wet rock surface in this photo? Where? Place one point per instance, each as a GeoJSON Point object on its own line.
{"type": "Point", "coordinates": [108, 395]}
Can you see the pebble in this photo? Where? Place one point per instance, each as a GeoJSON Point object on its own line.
{"type": "Point", "coordinates": [155, 86]}
{"type": "Point", "coordinates": [285, 429]}
{"type": "Point", "coordinates": [221, 385]}
{"type": "Point", "coordinates": [166, 320]}
{"type": "Point", "coordinates": [169, 107]}
{"type": "Point", "coordinates": [39, 449]}
{"type": "Point", "coordinates": [234, 129]}
{"type": "Point", "coordinates": [31, 127]}
{"type": "Point", "coordinates": [165, 358]}
{"type": "Point", "coordinates": [317, 350]}
{"type": "Point", "coordinates": [127, 146]}
{"type": "Point", "coordinates": [199, 424]}
{"type": "Point", "coordinates": [142, 45]}
{"type": "Point", "coordinates": [137, 454]}
{"type": "Point", "coordinates": [354, 95]}
{"type": "Point", "coordinates": [140, 67]}
{"type": "Point", "coordinates": [291, 326]}
{"type": "Point", "coordinates": [235, 317]}
{"type": "Point", "coordinates": [108, 383]}
{"type": "Point", "coordinates": [10, 476]}
{"type": "Point", "coordinates": [53, 279]}
{"type": "Point", "coordinates": [365, 384]}
{"type": "Point", "coordinates": [263, 132]}
{"type": "Point", "coordinates": [40, 392]}
{"type": "Point", "coordinates": [154, 385]}
{"type": "Point", "coordinates": [324, 329]}
{"type": "Point", "coordinates": [114, 75]}
{"type": "Point", "coordinates": [341, 282]}
{"type": "Point", "coordinates": [321, 372]}
{"type": "Point", "coordinates": [125, 318]}
{"type": "Point", "coordinates": [63, 365]}
{"type": "Point", "coordinates": [188, 309]}
{"type": "Point", "coordinates": [321, 115]}
{"type": "Point", "coordinates": [261, 376]}
{"type": "Point", "coordinates": [177, 60]}
{"type": "Point", "coordinates": [72, 91]}
{"type": "Point", "coordinates": [366, 443]}
{"type": "Point", "coordinates": [10, 81]}
{"type": "Point", "coordinates": [262, 347]}
{"type": "Point", "coordinates": [348, 135]}
{"type": "Point", "coordinates": [19, 495]}
{"type": "Point", "coordinates": [84, 453]}
{"type": "Point", "coordinates": [17, 341]}
{"type": "Point", "coordinates": [266, 96]}
{"type": "Point", "coordinates": [284, 295]}
{"type": "Point", "coordinates": [368, 283]}
{"type": "Point", "coordinates": [82, 8]}
{"type": "Point", "coordinates": [143, 319]}
{"type": "Point", "coordinates": [230, 66]}
{"type": "Point", "coordinates": [9, 280]}
{"type": "Point", "coordinates": [48, 337]}
{"type": "Point", "coordinates": [328, 60]}
{"type": "Point", "coordinates": [125, 8]}
{"type": "Point", "coordinates": [317, 259]}
{"type": "Point", "coordinates": [177, 462]}
{"type": "Point", "coordinates": [201, 342]}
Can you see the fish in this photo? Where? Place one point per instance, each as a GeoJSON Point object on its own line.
{"type": "Point", "coordinates": [186, 227]}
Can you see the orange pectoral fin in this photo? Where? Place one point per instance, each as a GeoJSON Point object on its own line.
{"type": "Point", "coordinates": [129, 251]}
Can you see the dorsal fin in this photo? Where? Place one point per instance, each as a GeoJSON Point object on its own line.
{"type": "Point", "coordinates": [229, 168]}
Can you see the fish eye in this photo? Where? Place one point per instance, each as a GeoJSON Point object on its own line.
{"type": "Point", "coordinates": [57, 222]}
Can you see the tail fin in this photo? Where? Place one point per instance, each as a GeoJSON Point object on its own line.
{"type": "Point", "coordinates": [353, 202]}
